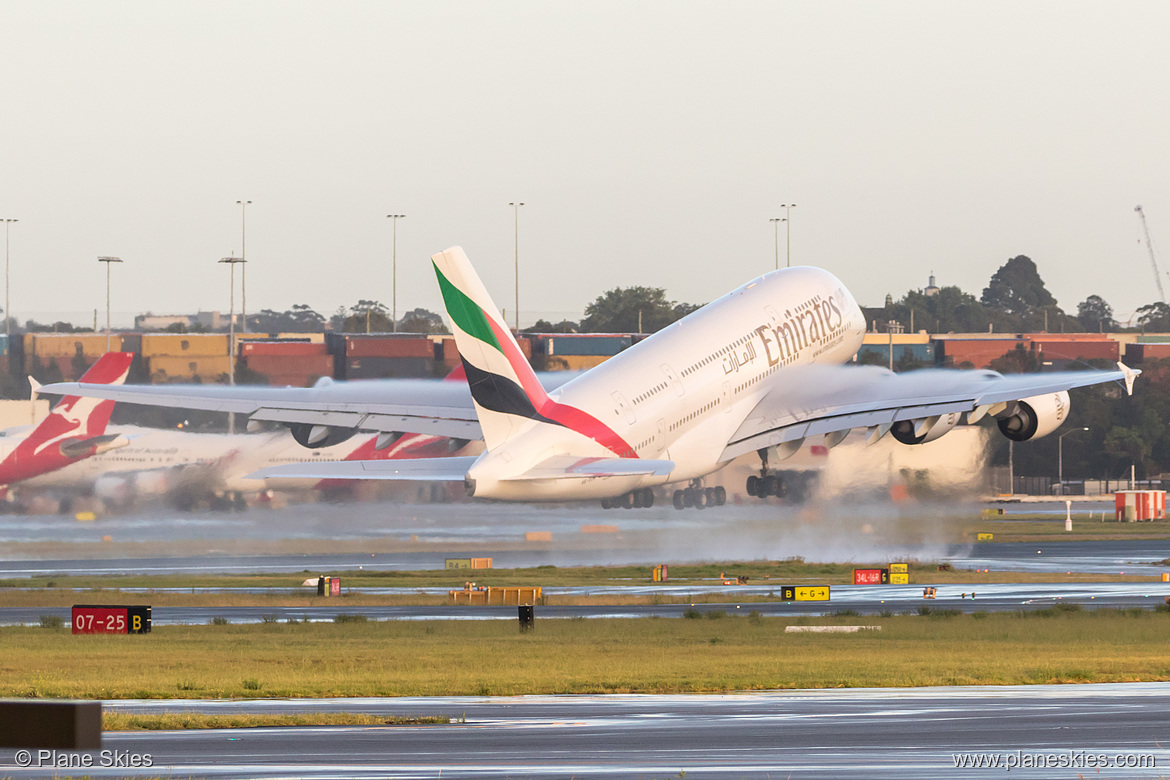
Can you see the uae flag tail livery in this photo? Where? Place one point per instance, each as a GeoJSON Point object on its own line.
{"type": "Point", "coordinates": [509, 398]}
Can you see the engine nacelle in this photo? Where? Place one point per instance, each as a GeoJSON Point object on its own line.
{"type": "Point", "coordinates": [906, 431]}
{"type": "Point", "coordinates": [1034, 417]}
{"type": "Point", "coordinates": [317, 436]}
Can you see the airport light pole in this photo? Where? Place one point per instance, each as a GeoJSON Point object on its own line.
{"type": "Point", "coordinates": [108, 261]}
{"type": "Point", "coordinates": [7, 314]}
{"type": "Point", "coordinates": [243, 259]}
{"type": "Point", "coordinates": [231, 261]}
{"type": "Point", "coordinates": [788, 234]}
{"type": "Point", "coordinates": [776, 222]}
{"type": "Point", "coordinates": [1060, 456]}
{"type": "Point", "coordinates": [516, 208]}
{"type": "Point", "coordinates": [394, 275]}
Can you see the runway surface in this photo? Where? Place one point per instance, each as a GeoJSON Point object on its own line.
{"type": "Point", "coordinates": [872, 733]}
{"type": "Point", "coordinates": [873, 600]}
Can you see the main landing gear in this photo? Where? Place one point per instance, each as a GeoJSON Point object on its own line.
{"type": "Point", "coordinates": [635, 499]}
{"type": "Point", "coordinates": [766, 484]}
{"type": "Point", "coordinates": [699, 497]}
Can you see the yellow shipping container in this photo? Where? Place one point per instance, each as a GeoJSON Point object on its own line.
{"type": "Point", "coordinates": [208, 369]}
{"type": "Point", "coordinates": [184, 345]}
{"type": "Point", "coordinates": [899, 338]}
{"type": "Point", "coordinates": [55, 345]}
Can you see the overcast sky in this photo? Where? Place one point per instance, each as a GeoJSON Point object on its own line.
{"type": "Point", "coordinates": [651, 142]}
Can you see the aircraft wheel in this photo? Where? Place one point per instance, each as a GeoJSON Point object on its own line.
{"type": "Point", "coordinates": [700, 499]}
{"type": "Point", "coordinates": [607, 503]}
{"type": "Point", "coordinates": [647, 497]}
{"type": "Point", "coordinates": [679, 501]}
{"type": "Point", "coordinates": [753, 486]}
{"type": "Point", "coordinates": [771, 486]}
{"type": "Point", "coordinates": [710, 496]}
{"type": "Point", "coordinates": [627, 501]}
{"type": "Point", "coordinates": [720, 496]}
{"type": "Point", "coordinates": [781, 488]}
{"type": "Point", "coordinates": [688, 497]}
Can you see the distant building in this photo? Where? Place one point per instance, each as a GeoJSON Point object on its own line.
{"type": "Point", "coordinates": [208, 320]}
{"type": "Point", "coordinates": [931, 289]}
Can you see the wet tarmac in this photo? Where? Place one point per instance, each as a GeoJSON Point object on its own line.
{"type": "Point", "coordinates": [872, 733]}
{"type": "Point", "coordinates": [866, 600]}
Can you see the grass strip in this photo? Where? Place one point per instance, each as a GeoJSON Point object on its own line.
{"type": "Point", "coordinates": [719, 650]}
{"type": "Point", "coordinates": [177, 721]}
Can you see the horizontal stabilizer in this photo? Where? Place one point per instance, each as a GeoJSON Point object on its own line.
{"type": "Point", "coordinates": [419, 470]}
{"type": "Point", "coordinates": [571, 467]}
{"type": "Point", "coordinates": [77, 448]}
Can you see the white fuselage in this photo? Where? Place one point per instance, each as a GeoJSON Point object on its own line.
{"type": "Point", "coordinates": [232, 456]}
{"type": "Point", "coordinates": [681, 394]}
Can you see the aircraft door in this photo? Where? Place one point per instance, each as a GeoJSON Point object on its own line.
{"type": "Point", "coordinates": [624, 407]}
{"type": "Point", "coordinates": [672, 378]}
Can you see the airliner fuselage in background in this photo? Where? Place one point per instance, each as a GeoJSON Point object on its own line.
{"type": "Point", "coordinates": [760, 370]}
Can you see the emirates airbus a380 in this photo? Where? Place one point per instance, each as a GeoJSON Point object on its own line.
{"type": "Point", "coordinates": [761, 369]}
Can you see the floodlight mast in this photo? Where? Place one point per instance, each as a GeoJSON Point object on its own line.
{"type": "Point", "coordinates": [1150, 249]}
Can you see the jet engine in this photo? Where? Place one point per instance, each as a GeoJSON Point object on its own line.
{"type": "Point", "coordinates": [316, 436]}
{"type": "Point", "coordinates": [1034, 417]}
{"type": "Point", "coordinates": [923, 430]}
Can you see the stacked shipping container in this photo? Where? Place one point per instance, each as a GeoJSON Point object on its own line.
{"type": "Point", "coordinates": [295, 363]}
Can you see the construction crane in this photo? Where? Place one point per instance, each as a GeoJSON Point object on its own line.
{"type": "Point", "coordinates": [1150, 248]}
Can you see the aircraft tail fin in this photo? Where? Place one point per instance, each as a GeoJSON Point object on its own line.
{"type": "Point", "coordinates": [74, 429]}
{"type": "Point", "coordinates": [505, 389]}
{"type": "Point", "coordinates": [91, 414]}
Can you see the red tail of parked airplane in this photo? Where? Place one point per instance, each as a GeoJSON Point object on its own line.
{"type": "Point", "coordinates": [75, 428]}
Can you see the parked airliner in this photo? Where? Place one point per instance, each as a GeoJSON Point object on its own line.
{"type": "Point", "coordinates": [73, 431]}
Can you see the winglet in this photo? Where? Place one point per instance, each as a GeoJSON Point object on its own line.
{"type": "Point", "coordinates": [1130, 375]}
{"type": "Point", "coordinates": [34, 387]}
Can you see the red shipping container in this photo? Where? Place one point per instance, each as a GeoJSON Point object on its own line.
{"type": "Point", "coordinates": [450, 353]}
{"type": "Point", "coordinates": [292, 380]}
{"type": "Point", "coordinates": [267, 364]}
{"type": "Point", "coordinates": [414, 347]}
{"type": "Point", "coordinates": [1074, 350]}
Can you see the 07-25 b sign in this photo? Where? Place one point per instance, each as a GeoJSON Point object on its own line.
{"type": "Point", "coordinates": [108, 619]}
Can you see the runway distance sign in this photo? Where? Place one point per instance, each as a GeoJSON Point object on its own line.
{"type": "Point", "coordinates": [804, 593]}
{"type": "Point", "coordinates": [108, 619]}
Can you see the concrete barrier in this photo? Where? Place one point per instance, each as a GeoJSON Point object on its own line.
{"type": "Point", "coordinates": [65, 725]}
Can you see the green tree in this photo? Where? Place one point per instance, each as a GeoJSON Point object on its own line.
{"type": "Point", "coordinates": [421, 321]}
{"type": "Point", "coordinates": [620, 310]}
{"type": "Point", "coordinates": [1154, 317]}
{"type": "Point", "coordinates": [1016, 288]}
{"type": "Point", "coordinates": [367, 317]}
{"type": "Point", "coordinates": [1095, 315]}
{"type": "Point", "coordinates": [544, 326]}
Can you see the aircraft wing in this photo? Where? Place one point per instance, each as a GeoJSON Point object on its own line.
{"type": "Point", "coordinates": [815, 400]}
{"type": "Point", "coordinates": [571, 467]}
{"type": "Point", "coordinates": [452, 469]}
{"type": "Point", "coordinates": [424, 406]}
